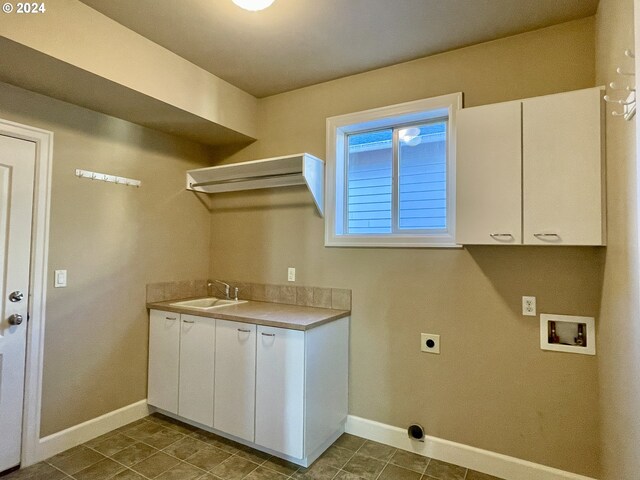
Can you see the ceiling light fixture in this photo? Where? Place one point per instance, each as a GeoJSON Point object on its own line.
{"type": "Point", "coordinates": [253, 5]}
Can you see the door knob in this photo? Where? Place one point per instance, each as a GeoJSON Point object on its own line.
{"type": "Point", "coordinates": [16, 296]}
{"type": "Point", "coordinates": [15, 319]}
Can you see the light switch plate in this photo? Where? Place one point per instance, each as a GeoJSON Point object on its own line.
{"type": "Point", "coordinates": [291, 274]}
{"type": "Point", "coordinates": [60, 279]}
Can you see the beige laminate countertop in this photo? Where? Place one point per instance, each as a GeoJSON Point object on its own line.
{"type": "Point", "coordinates": [294, 317]}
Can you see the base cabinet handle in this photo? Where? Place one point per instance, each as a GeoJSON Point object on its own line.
{"type": "Point", "coordinates": [268, 334]}
{"type": "Point", "coordinates": [244, 330]}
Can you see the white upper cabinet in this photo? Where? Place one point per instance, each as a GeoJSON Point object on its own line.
{"type": "Point", "coordinates": [235, 378]}
{"type": "Point", "coordinates": [562, 169]}
{"type": "Point", "coordinates": [489, 170]}
{"type": "Point", "coordinates": [531, 172]}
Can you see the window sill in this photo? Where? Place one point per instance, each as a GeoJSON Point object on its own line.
{"type": "Point", "coordinates": [357, 243]}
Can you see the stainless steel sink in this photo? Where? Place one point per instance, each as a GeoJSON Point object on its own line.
{"type": "Point", "coordinates": [208, 303]}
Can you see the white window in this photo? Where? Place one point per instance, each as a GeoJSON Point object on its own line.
{"type": "Point", "coordinates": [391, 175]}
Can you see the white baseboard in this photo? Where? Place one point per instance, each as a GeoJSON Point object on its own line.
{"type": "Point", "coordinates": [502, 466]}
{"type": "Point", "coordinates": [60, 441]}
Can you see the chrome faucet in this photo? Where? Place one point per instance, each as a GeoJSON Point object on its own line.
{"type": "Point", "coordinates": [227, 289]}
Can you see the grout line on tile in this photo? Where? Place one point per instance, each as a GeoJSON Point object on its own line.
{"type": "Point", "coordinates": [121, 464]}
{"type": "Point", "coordinates": [426, 466]}
{"type": "Point", "coordinates": [63, 472]}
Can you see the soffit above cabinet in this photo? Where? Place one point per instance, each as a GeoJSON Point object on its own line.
{"type": "Point", "coordinates": [298, 169]}
{"type": "Point", "coordinates": [102, 65]}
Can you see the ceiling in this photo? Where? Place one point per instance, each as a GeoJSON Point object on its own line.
{"type": "Point", "coordinates": [296, 43]}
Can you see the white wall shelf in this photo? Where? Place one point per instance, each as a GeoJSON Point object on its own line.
{"type": "Point", "coordinates": [298, 169]}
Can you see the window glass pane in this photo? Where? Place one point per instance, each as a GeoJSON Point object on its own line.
{"type": "Point", "coordinates": [422, 194]}
{"type": "Point", "coordinates": [369, 182]}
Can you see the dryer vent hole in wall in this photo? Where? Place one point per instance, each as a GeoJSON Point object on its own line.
{"type": "Point", "coordinates": [416, 432]}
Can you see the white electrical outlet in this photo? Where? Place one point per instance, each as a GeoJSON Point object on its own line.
{"type": "Point", "coordinates": [529, 306]}
{"type": "Point", "coordinates": [430, 343]}
{"type": "Point", "coordinates": [291, 274]}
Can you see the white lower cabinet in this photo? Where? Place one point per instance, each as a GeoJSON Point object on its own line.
{"type": "Point", "coordinates": [164, 361]}
{"type": "Point", "coordinates": [279, 390]}
{"type": "Point", "coordinates": [235, 379]}
{"type": "Point", "coordinates": [197, 342]}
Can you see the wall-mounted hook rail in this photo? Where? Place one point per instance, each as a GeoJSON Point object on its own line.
{"type": "Point", "coordinates": [629, 102]}
{"type": "Point", "coordinates": [626, 88]}
{"type": "Point", "coordinates": [104, 177]}
{"type": "Point", "coordinates": [619, 71]}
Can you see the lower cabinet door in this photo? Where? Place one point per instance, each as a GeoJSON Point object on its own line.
{"type": "Point", "coordinates": [164, 351]}
{"type": "Point", "coordinates": [235, 378]}
{"type": "Point", "coordinates": [280, 390]}
{"type": "Point", "coordinates": [197, 355]}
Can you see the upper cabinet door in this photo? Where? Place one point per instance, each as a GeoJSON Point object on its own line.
{"type": "Point", "coordinates": [563, 169]}
{"type": "Point", "coordinates": [197, 353]}
{"type": "Point", "coordinates": [488, 174]}
{"type": "Point", "coordinates": [164, 351]}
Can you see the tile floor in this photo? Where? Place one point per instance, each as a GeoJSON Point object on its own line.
{"type": "Point", "coordinates": [158, 447]}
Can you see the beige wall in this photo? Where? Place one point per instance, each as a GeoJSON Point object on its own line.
{"type": "Point", "coordinates": [112, 240]}
{"type": "Point", "coordinates": [492, 387]}
{"type": "Point", "coordinates": [619, 331]}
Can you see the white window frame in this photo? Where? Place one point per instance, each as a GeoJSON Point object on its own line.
{"type": "Point", "coordinates": [339, 127]}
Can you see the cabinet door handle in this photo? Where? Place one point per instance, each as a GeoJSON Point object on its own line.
{"type": "Point", "coordinates": [188, 321]}
{"type": "Point", "coordinates": [545, 236]}
{"type": "Point", "coordinates": [269, 334]}
{"type": "Point", "coordinates": [494, 235]}
{"type": "Point", "coordinates": [243, 330]}
{"type": "Point", "coordinates": [170, 318]}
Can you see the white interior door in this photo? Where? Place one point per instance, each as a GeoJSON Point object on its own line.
{"type": "Point", "coordinates": [17, 163]}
